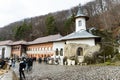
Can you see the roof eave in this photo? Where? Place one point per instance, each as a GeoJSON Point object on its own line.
{"type": "Point", "coordinates": [86, 17]}
{"type": "Point", "coordinates": [79, 38]}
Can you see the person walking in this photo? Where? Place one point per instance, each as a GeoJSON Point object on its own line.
{"type": "Point", "coordinates": [22, 66]}
{"type": "Point", "coordinates": [13, 63]}
{"type": "Point", "coordinates": [10, 63]}
{"type": "Point", "coordinates": [31, 63]}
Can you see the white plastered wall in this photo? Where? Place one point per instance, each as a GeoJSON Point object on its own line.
{"type": "Point", "coordinates": [7, 51]}
{"type": "Point", "coordinates": [83, 24]}
{"type": "Point", "coordinates": [90, 42]}
{"type": "Point", "coordinates": [59, 45]}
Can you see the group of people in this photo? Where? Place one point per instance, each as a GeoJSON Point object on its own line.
{"type": "Point", "coordinates": [7, 63]}
{"type": "Point", "coordinates": [45, 60]}
{"type": "Point", "coordinates": [25, 64]}
{"type": "Point", "coordinates": [49, 60]}
{"type": "Point", "coordinates": [11, 62]}
{"type": "Point", "coordinates": [2, 63]}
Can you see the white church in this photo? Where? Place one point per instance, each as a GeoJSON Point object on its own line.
{"type": "Point", "coordinates": [78, 43]}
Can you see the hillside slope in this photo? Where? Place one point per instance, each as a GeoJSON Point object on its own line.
{"type": "Point", "coordinates": [104, 14]}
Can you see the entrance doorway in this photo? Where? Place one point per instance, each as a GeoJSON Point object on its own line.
{"type": "Point", "coordinates": [79, 51]}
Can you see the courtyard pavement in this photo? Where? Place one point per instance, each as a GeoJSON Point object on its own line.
{"type": "Point", "coordinates": [59, 72]}
{"type": "Point", "coordinates": [7, 75]}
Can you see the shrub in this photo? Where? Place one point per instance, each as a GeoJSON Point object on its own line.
{"type": "Point", "coordinates": [108, 63]}
{"type": "Point", "coordinates": [116, 58]}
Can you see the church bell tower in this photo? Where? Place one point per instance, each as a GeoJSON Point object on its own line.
{"type": "Point", "coordinates": [80, 20]}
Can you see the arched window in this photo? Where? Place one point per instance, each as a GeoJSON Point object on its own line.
{"type": "Point", "coordinates": [79, 51]}
{"type": "Point", "coordinates": [61, 52]}
{"type": "Point", "coordinates": [79, 23]}
{"type": "Point", "coordinates": [41, 55]}
{"type": "Point", "coordinates": [40, 48]}
{"type": "Point", "coordinates": [44, 55]}
{"type": "Point", "coordinates": [57, 52]}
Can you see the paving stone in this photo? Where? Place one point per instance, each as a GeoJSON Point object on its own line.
{"type": "Point", "coordinates": [58, 72]}
{"type": "Point", "coordinates": [7, 76]}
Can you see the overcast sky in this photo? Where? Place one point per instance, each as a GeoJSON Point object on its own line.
{"type": "Point", "coordinates": [15, 10]}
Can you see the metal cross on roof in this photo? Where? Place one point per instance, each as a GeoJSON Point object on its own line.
{"type": "Point", "coordinates": [80, 13]}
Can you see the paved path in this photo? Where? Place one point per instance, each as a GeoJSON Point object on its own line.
{"type": "Point", "coordinates": [7, 76]}
{"type": "Point", "coordinates": [58, 72]}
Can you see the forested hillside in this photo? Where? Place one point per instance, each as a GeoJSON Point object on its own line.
{"type": "Point", "coordinates": [104, 15]}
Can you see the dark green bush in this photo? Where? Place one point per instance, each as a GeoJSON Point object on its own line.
{"type": "Point", "coordinates": [116, 58]}
{"type": "Point", "coordinates": [108, 63]}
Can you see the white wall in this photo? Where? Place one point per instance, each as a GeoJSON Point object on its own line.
{"type": "Point", "coordinates": [58, 45]}
{"type": "Point", "coordinates": [90, 42]}
{"type": "Point", "coordinates": [7, 51]}
{"type": "Point", "coordinates": [0, 53]}
{"type": "Point", "coordinates": [83, 26]}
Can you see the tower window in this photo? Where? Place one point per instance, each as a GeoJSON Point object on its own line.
{"type": "Point", "coordinates": [80, 23]}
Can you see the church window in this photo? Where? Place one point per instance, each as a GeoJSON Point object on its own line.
{"type": "Point", "coordinates": [79, 23]}
{"type": "Point", "coordinates": [61, 52]}
{"type": "Point", "coordinates": [57, 52]}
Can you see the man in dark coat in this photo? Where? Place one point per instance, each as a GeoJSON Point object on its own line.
{"type": "Point", "coordinates": [22, 66]}
{"type": "Point", "coordinates": [30, 64]}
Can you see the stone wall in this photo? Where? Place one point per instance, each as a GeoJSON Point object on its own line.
{"type": "Point", "coordinates": [71, 49]}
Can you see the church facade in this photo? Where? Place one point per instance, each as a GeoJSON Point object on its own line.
{"type": "Point", "coordinates": [78, 43]}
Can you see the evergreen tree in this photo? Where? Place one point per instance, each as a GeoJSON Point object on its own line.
{"type": "Point", "coordinates": [108, 44]}
{"type": "Point", "coordinates": [22, 32]}
{"type": "Point", "coordinates": [50, 25]}
{"type": "Point", "coordinates": [69, 24]}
